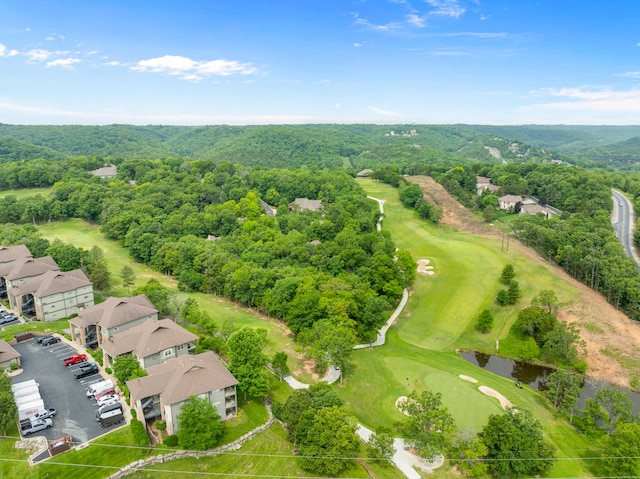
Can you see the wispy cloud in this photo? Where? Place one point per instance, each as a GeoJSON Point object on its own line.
{"type": "Point", "coordinates": [603, 99]}
{"type": "Point", "coordinates": [40, 55]}
{"type": "Point", "coordinates": [63, 62]}
{"type": "Point", "coordinates": [478, 35]}
{"type": "Point", "coordinates": [450, 52]}
{"type": "Point", "coordinates": [387, 27]}
{"type": "Point", "coordinates": [630, 74]}
{"type": "Point", "coordinates": [380, 111]}
{"type": "Point", "coordinates": [357, 44]}
{"type": "Point", "coordinates": [447, 8]}
{"type": "Point", "coordinates": [416, 20]}
{"type": "Point", "coordinates": [192, 70]}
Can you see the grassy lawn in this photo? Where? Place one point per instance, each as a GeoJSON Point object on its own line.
{"type": "Point", "coordinates": [25, 192]}
{"type": "Point", "coordinates": [84, 235]}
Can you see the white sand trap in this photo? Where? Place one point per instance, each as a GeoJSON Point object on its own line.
{"type": "Point", "coordinates": [423, 268]}
{"type": "Point", "coordinates": [468, 378]}
{"type": "Point", "coordinates": [504, 402]}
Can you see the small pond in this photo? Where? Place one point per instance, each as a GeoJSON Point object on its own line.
{"type": "Point", "coordinates": [535, 376]}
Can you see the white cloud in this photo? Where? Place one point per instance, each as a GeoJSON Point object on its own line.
{"type": "Point", "coordinates": [63, 62]}
{"type": "Point", "coordinates": [601, 100]}
{"type": "Point", "coordinates": [13, 53]}
{"type": "Point", "coordinates": [3, 49]}
{"type": "Point", "coordinates": [446, 8]}
{"type": "Point", "coordinates": [416, 20]}
{"type": "Point", "coordinates": [39, 55]}
{"type": "Point", "coordinates": [113, 63]}
{"type": "Point", "coordinates": [192, 70]}
{"type": "Point", "coordinates": [357, 44]}
{"type": "Point", "coordinates": [380, 111]}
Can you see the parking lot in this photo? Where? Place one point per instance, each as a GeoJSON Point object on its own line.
{"type": "Point", "coordinates": [60, 390]}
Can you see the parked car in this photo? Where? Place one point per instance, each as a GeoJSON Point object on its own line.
{"type": "Point", "coordinates": [49, 340]}
{"type": "Point", "coordinates": [50, 412]}
{"type": "Point", "coordinates": [8, 318]}
{"type": "Point", "coordinates": [37, 425]}
{"type": "Point", "coordinates": [107, 400]}
{"type": "Point", "coordinates": [111, 418]}
{"type": "Point", "coordinates": [75, 359]}
{"type": "Point", "coordinates": [86, 370]}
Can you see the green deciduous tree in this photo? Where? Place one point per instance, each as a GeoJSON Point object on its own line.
{"type": "Point", "coordinates": [329, 441]}
{"type": "Point", "coordinates": [608, 408]}
{"type": "Point", "coordinates": [516, 446]}
{"type": "Point", "coordinates": [199, 424]}
{"type": "Point", "coordinates": [547, 299]}
{"type": "Point", "coordinates": [563, 389]}
{"type": "Point", "coordinates": [535, 322]}
{"type": "Point", "coordinates": [248, 362]}
{"type": "Point", "coordinates": [430, 422]}
{"type": "Point", "coordinates": [380, 446]}
{"type": "Point", "coordinates": [469, 453]}
{"type": "Point", "coordinates": [621, 451]}
{"type": "Point", "coordinates": [279, 364]}
{"type": "Point", "coordinates": [127, 367]}
{"type": "Point", "coordinates": [100, 276]}
{"type": "Point", "coordinates": [561, 345]}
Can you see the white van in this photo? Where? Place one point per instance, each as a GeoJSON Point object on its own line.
{"type": "Point", "coordinates": [99, 388]}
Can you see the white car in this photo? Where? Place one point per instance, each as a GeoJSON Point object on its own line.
{"type": "Point", "coordinates": [108, 400]}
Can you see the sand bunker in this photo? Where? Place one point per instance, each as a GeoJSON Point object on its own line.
{"type": "Point", "coordinates": [423, 268]}
{"type": "Point", "coordinates": [504, 402]}
{"type": "Point", "coordinates": [468, 378]}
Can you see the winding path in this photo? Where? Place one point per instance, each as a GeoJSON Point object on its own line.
{"type": "Point", "coordinates": [403, 459]}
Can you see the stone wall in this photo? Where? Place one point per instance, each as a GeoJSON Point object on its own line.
{"type": "Point", "coordinates": [172, 456]}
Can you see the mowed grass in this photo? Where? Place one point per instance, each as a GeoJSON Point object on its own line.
{"type": "Point", "coordinates": [26, 192]}
{"type": "Point", "coordinates": [269, 454]}
{"type": "Point", "coordinates": [440, 318]}
{"type": "Point", "coordinates": [85, 235]}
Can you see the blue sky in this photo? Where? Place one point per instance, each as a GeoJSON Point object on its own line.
{"type": "Point", "coordinates": [195, 62]}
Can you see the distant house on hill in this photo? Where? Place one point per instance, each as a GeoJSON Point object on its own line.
{"type": "Point", "coordinates": [106, 171]}
{"type": "Point", "coordinates": [365, 173]}
{"type": "Point", "coordinates": [536, 209]}
{"type": "Point", "coordinates": [508, 202]}
{"type": "Point", "coordinates": [305, 204]}
{"type": "Point", "coordinates": [484, 183]}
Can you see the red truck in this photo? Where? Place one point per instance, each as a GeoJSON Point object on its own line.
{"type": "Point", "coordinates": [75, 359]}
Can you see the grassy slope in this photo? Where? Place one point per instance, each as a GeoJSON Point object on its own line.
{"type": "Point", "coordinates": [25, 192]}
{"type": "Point", "coordinates": [439, 318]}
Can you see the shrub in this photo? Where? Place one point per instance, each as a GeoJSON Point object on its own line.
{"type": "Point", "coordinates": [503, 297]}
{"type": "Point", "coordinates": [108, 370]}
{"type": "Point", "coordinates": [139, 433]}
{"type": "Point", "coordinates": [170, 441]}
{"type": "Point", "coordinates": [14, 366]}
{"type": "Point", "coordinates": [96, 355]}
{"type": "Point", "coordinates": [161, 425]}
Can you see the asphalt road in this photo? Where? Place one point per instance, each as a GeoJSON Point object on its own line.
{"type": "Point", "coordinates": [623, 223]}
{"type": "Point", "coordinates": [60, 390]}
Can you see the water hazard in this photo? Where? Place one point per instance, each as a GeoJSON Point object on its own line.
{"type": "Point", "coordinates": [535, 376]}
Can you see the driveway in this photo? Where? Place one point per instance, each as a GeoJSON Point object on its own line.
{"type": "Point", "coordinates": [60, 390]}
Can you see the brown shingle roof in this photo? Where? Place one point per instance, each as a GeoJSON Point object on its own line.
{"type": "Point", "coordinates": [305, 204]}
{"type": "Point", "coordinates": [182, 377]}
{"type": "Point", "coordinates": [7, 353]}
{"type": "Point", "coordinates": [115, 311]}
{"type": "Point", "coordinates": [52, 282]}
{"type": "Point", "coordinates": [148, 338]}
{"type": "Point", "coordinates": [12, 253]}
{"type": "Point", "coordinates": [28, 267]}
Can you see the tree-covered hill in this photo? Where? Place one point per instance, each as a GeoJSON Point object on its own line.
{"type": "Point", "coordinates": [330, 145]}
{"type": "Point", "coordinates": [12, 149]}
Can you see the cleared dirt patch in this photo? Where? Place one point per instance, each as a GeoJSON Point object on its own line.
{"type": "Point", "coordinates": [613, 340]}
